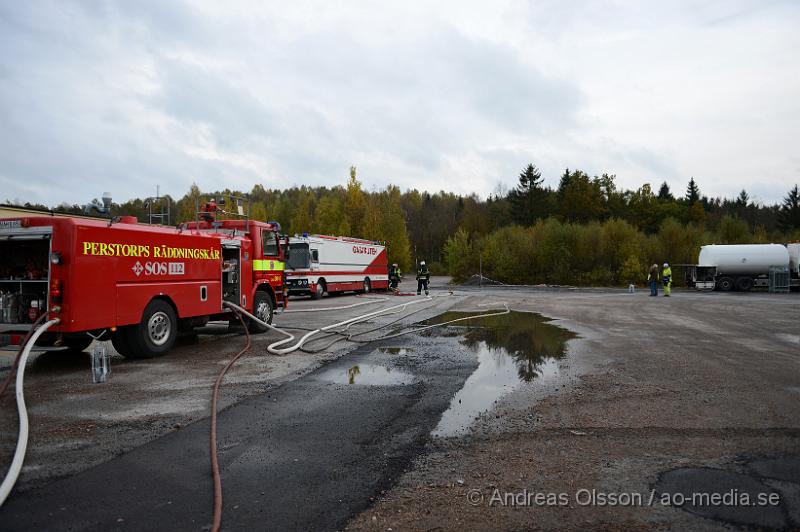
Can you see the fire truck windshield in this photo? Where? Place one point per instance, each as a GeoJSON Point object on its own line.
{"type": "Point", "coordinates": [299, 257]}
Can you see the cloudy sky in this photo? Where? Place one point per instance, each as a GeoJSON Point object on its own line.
{"type": "Point", "coordinates": [122, 96]}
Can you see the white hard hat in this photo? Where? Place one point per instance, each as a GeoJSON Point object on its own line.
{"type": "Point", "coordinates": [666, 265]}
{"type": "Point", "coordinates": [422, 263]}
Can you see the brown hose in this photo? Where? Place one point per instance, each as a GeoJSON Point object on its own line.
{"type": "Point", "coordinates": [14, 366]}
{"type": "Point", "coordinates": [214, 462]}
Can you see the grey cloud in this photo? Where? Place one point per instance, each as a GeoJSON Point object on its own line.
{"type": "Point", "coordinates": [297, 106]}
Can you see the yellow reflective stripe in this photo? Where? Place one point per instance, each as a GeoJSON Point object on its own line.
{"type": "Point", "coordinates": [261, 265]}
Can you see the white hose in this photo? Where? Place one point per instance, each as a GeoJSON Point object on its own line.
{"type": "Point", "coordinates": [372, 300]}
{"type": "Point", "coordinates": [273, 348]}
{"type": "Point", "coordinates": [22, 440]}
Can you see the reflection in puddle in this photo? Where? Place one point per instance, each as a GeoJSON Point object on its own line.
{"type": "Point", "coordinates": [394, 350]}
{"type": "Point", "coordinates": [511, 348]}
{"type": "Point", "coordinates": [367, 374]}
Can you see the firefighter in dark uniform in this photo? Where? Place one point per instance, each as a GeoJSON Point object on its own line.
{"type": "Point", "coordinates": [423, 276]}
{"type": "Point", "coordinates": [394, 277]}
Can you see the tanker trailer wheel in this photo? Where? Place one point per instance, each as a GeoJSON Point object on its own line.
{"type": "Point", "coordinates": [319, 291]}
{"type": "Point", "coordinates": [744, 284]}
{"type": "Point", "coordinates": [367, 286]}
{"type": "Point", "coordinates": [725, 284]}
{"type": "Point", "coordinates": [156, 333]}
{"type": "Point", "coordinates": [263, 310]}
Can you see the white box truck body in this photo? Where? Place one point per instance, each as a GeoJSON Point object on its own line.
{"type": "Point", "coordinates": [320, 264]}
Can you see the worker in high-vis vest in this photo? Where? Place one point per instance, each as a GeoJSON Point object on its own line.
{"type": "Point", "coordinates": [666, 279]}
{"type": "Point", "coordinates": [423, 276]}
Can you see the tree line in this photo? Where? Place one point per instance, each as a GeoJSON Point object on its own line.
{"type": "Point", "coordinates": [585, 231]}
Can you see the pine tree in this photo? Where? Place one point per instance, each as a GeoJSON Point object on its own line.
{"type": "Point", "coordinates": [664, 193]}
{"type": "Point", "coordinates": [789, 214]}
{"type": "Point", "coordinates": [743, 199]}
{"type": "Point", "coordinates": [566, 177]}
{"type": "Point", "coordinates": [528, 198]}
{"type": "Point", "coordinates": [692, 192]}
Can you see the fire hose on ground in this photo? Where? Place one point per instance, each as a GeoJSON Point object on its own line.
{"type": "Point", "coordinates": [217, 514]}
{"type": "Point", "coordinates": [274, 347]}
{"type": "Point", "coordinates": [22, 439]}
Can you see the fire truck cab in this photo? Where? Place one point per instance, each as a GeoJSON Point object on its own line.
{"type": "Point", "coordinates": [133, 283]}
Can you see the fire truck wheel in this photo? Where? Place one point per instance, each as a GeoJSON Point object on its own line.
{"type": "Point", "coordinates": [78, 344]}
{"type": "Point", "coordinates": [262, 309]}
{"type": "Point", "coordinates": [367, 286]}
{"type": "Point", "coordinates": [319, 291]}
{"type": "Point", "coordinates": [156, 334]}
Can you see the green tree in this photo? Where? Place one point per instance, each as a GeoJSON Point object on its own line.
{"type": "Point", "coordinates": [302, 219]}
{"type": "Point", "coordinates": [692, 192]}
{"type": "Point", "coordinates": [743, 199]}
{"type": "Point", "coordinates": [330, 217]}
{"type": "Point", "coordinates": [258, 211]}
{"type": "Point", "coordinates": [355, 204]}
{"type": "Point", "coordinates": [392, 227]}
{"type": "Point", "coordinates": [696, 213]}
{"type": "Point", "coordinates": [732, 230]}
{"type": "Point", "coordinates": [528, 200]}
{"type": "Point", "coordinates": [643, 209]}
{"type": "Point", "coordinates": [459, 256]}
{"type": "Point", "coordinates": [581, 198]}
{"type": "Point", "coordinates": [789, 214]}
{"type": "Point", "coordinates": [664, 193]}
{"type": "Point", "coordinates": [189, 204]}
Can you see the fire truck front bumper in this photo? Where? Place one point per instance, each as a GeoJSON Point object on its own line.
{"type": "Point", "coordinates": [298, 286]}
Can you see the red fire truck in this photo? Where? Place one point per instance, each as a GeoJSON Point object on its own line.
{"type": "Point", "coordinates": [140, 284]}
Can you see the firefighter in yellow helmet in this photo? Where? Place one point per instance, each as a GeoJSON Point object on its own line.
{"type": "Point", "coordinates": [666, 279]}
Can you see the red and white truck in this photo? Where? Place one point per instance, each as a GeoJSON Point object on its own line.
{"type": "Point", "coordinates": [136, 284]}
{"type": "Point", "coordinates": [320, 264]}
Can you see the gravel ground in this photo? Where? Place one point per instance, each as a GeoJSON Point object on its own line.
{"type": "Point", "coordinates": [698, 380]}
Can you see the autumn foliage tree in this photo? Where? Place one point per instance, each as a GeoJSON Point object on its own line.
{"type": "Point", "coordinates": [586, 231]}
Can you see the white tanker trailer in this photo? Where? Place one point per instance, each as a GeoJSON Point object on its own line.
{"type": "Point", "coordinates": [743, 266]}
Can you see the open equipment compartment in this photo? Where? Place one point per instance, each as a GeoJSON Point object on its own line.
{"type": "Point", "coordinates": [24, 278]}
{"type": "Point", "coordinates": [231, 272]}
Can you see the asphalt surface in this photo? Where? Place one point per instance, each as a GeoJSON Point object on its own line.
{"type": "Point", "coordinates": [687, 394]}
{"type": "Point", "coordinates": [307, 456]}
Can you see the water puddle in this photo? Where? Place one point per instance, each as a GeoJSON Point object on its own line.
{"type": "Point", "coordinates": [511, 349]}
{"type": "Point", "coordinates": [394, 350]}
{"type": "Point", "coordinates": [367, 374]}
